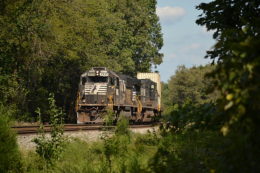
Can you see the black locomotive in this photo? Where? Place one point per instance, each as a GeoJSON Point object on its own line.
{"type": "Point", "coordinates": [101, 89]}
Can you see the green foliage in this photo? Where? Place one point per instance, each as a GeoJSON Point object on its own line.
{"type": "Point", "coordinates": [117, 153]}
{"type": "Point", "coordinates": [196, 151]}
{"type": "Point", "coordinates": [10, 158]}
{"type": "Point", "coordinates": [165, 96]}
{"type": "Point", "coordinates": [204, 151]}
{"type": "Point", "coordinates": [109, 117]}
{"type": "Point", "coordinates": [50, 148]}
{"type": "Point", "coordinates": [117, 145]}
{"type": "Point", "coordinates": [150, 139]}
{"type": "Point", "coordinates": [236, 27]}
{"type": "Point", "coordinates": [188, 102]}
{"type": "Point", "coordinates": [190, 84]}
{"type": "Point", "coordinates": [122, 126]}
{"type": "Point", "coordinates": [189, 116]}
{"type": "Point", "coordinates": [191, 140]}
{"type": "Point", "coordinates": [45, 46]}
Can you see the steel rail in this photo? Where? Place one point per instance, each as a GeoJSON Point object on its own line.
{"type": "Point", "coordinates": [71, 127]}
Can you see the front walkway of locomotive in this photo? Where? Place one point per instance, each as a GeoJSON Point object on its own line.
{"type": "Point", "coordinates": [101, 90]}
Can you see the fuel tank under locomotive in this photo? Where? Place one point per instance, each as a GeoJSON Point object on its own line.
{"type": "Point", "coordinates": [101, 89]}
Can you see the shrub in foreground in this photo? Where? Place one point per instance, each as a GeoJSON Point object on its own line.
{"type": "Point", "coordinates": [10, 158]}
{"type": "Point", "coordinates": [50, 148]}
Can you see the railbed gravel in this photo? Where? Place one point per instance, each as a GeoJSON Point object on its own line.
{"type": "Point", "coordinates": [25, 140]}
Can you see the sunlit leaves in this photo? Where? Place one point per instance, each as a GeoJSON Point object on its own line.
{"type": "Point", "coordinates": [237, 50]}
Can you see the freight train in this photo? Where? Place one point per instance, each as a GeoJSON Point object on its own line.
{"type": "Point", "coordinates": [100, 89]}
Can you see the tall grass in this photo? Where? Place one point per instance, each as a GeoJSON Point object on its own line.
{"type": "Point", "coordinates": [206, 151]}
{"type": "Point", "coordinates": [164, 151]}
{"type": "Point", "coordinates": [118, 153]}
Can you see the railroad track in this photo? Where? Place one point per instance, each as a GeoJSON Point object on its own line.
{"type": "Point", "coordinates": [72, 127]}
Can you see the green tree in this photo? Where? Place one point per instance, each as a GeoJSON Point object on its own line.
{"type": "Point", "coordinates": [236, 26]}
{"type": "Point", "coordinates": [142, 37]}
{"type": "Point", "coordinates": [165, 95]}
{"type": "Point", "coordinates": [190, 99]}
{"type": "Point", "coordinates": [191, 84]}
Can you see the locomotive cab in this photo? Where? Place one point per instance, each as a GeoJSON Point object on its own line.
{"type": "Point", "coordinates": [94, 86]}
{"type": "Point", "coordinates": [96, 89]}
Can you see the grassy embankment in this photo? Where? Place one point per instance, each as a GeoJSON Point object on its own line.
{"type": "Point", "coordinates": [165, 152]}
{"type": "Point", "coordinates": [194, 150]}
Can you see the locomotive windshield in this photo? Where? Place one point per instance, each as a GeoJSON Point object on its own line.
{"type": "Point", "coordinates": [97, 79]}
{"type": "Point", "coordinates": [94, 79]}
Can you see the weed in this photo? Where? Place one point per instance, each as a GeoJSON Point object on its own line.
{"type": "Point", "coordinates": [50, 148]}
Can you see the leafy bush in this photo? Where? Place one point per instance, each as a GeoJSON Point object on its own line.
{"type": "Point", "coordinates": [116, 146]}
{"type": "Point", "coordinates": [10, 158]}
{"type": "Point", "coordinates": [50, 148]}
{"type": "Point", "coordinates": [191, 116]}
{"type": "Point", "coordinates": [150, 139]}
{"type": "Point", "coordinates": [109, 117]}
{"type": "Point", "coordinates": [204, 151]}
{"type": "Point", "coordinates": [122, 126]}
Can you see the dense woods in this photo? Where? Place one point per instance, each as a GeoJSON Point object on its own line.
{"type": "Point", "coordinates": [46, 45]}
{"type": "Point", "coordinates": [211, 116]}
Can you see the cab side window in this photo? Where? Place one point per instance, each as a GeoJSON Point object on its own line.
{"type": "Point", "coordinates": [112, 81]}
{"type": "Point", "coordinates": [84, 80]}
{"type": "Point", "coordinates": [117, 83]}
